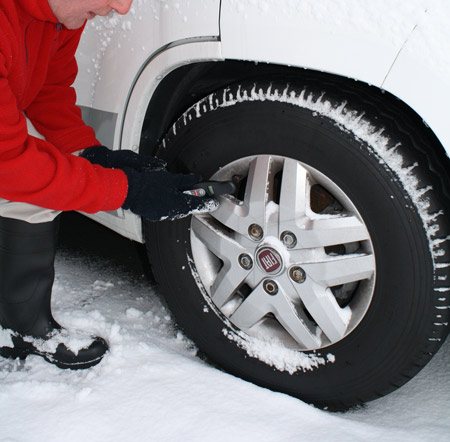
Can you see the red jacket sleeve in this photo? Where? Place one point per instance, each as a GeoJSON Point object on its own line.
{"type": "Point", "coordinates": [53, 112]}
{"type": "Point", "coordinates": [35, 171]}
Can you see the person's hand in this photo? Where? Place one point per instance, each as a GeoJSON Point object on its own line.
{"type": "Point", "coordinates": [158, 195]}
{"type": "Point", "coordinates": [118, 159]}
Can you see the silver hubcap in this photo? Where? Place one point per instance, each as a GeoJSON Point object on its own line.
{"type": "Point", "coordinates": [290, 258]}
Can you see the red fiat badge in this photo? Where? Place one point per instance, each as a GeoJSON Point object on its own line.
{"type": "Point", "coordinates": [269, 260]}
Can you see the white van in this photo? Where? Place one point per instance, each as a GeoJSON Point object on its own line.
{"type": "Point", "coordinates": [325, 275]}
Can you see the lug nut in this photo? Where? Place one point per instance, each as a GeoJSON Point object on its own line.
{"type": "Point", "coordinates": [289, 239]}
{"type": "Point", "coordinates": [297, 274]}
{"type": "Point", "coordinates": [256, 232]}
{"type": "Point", "coordinates": [270, 287]}
{"type": "Point", "coordinates": [245, 261]}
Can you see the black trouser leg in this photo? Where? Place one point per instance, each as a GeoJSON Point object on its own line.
{"type": "Point", "coordinates": [27, 254]}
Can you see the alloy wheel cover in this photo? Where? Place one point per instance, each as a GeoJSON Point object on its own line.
{"type": "Point", "coordinates": [289, 258]}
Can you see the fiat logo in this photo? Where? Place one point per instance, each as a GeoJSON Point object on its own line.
{"type": "Point", "coordinates": [269, 260]}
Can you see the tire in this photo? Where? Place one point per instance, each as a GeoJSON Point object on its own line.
{"type": "Point", "coordinates": [333, 291]}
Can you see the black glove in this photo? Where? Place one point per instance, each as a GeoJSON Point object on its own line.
{"type": "Point", "coordinates": [158, 195]}
{"type": "Point", "coordinates": [118, 159]}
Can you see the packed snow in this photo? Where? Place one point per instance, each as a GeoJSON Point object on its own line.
{"type": "Point", "coordinates": [152, 386]}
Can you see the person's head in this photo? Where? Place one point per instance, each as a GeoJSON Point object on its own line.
{"type": "Point", "coordinates": [73, 13]}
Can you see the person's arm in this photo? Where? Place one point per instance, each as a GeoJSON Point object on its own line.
{"type": "Point", "coordinates": [54, 112]}
{"type": "Point", "coordinates": [36, 172]}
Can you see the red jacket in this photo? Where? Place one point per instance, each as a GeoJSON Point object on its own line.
{"type": "Point", "coordinates": [37, 69]}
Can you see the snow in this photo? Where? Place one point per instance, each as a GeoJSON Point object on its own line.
{"type": "Point", "coordinates": [153, 387]}
{"type": "Point", "coordinates": [276, 355]}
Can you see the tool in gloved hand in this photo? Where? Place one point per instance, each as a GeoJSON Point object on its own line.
{"type": "Point", "coordinates": [159, 195]}
{"type": "Point", "coordinates": [212, 188]}
{"type": "Point", "coordinates": [153, 192]}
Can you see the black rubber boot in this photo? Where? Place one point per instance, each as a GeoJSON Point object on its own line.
{"type": "Point", "coordinates": [27, 254]}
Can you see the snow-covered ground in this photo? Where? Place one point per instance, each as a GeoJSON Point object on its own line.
{"type": "Point", "coordinates": [152, 387]}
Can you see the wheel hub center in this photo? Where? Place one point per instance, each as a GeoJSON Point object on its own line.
{"type": "Point", "coordinates": [269, 260]}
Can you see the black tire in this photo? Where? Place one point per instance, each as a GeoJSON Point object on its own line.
{"type": "Point", "coordinates": [377, 159]}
